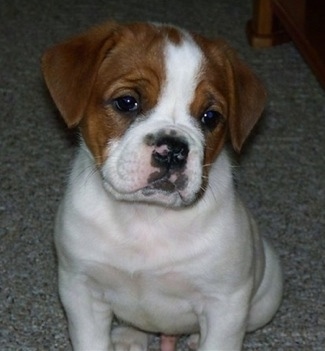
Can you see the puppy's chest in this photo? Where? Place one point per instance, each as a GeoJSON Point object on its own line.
{"type": "Point", "coordinates": [155, 300]}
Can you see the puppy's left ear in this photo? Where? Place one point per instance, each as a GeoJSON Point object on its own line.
{"type": "Point", "coordinates": [247, 99]}
{"type": "Point", "coordinates": [70, 69]}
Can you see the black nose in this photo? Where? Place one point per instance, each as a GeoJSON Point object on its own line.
{"type": "Point", "coordinates": [170, 152]}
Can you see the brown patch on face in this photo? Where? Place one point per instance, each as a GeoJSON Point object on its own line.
{"type": "Point", "coordinates": [229, 87]}
{"type": "Point", "coordinates": [134, 67]}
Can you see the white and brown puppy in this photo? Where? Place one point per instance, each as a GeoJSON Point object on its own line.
{"type": "Point", "coordinates": [150, 229]}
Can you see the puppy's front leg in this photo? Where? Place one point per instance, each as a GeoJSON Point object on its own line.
{"type": "Point", "coordinates": [89, 318]}
{"type": "Point", "coordinates": [223, 325]}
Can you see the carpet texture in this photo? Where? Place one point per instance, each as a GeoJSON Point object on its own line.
{"type": "Point", "coordinates": [280, 174]}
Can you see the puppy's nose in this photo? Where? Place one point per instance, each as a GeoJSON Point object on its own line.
{"type": "Point", "coordinates": [170, 152]}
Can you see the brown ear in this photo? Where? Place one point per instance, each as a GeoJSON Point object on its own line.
{"type": "Point", "coordinates": [70, 69]}
{"type": "Point", "coordinates": [247, 100]}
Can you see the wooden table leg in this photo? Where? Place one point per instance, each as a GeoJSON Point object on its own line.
{"type": "Point", "coordinates": [264, 29]}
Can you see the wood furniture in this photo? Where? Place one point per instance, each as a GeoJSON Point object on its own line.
{"type": "Point", "coordinates": [302, 21]}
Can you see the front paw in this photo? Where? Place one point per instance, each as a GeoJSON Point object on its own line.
{"type": "Point", "coordinates": [129, 339]}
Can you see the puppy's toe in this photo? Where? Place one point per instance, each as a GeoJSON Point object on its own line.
{"type": "Point", "coordinates": [129, 339]}
{"type": "Point", "coordinates": [193, 341]}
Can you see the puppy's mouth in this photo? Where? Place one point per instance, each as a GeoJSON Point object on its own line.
{"type": "Point", "coordinates": [169, 189]}
{"type": "Point", "coordinates": [167, 181]}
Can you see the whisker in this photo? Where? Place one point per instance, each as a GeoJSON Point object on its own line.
{"type": "Point", "coordinates": [213, 193]}
{"type": "Point", "coordinates": [91, 170]}
{"type": "Point", "coordinates": [207, 165]}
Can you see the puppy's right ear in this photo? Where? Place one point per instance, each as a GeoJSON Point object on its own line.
{"type": "Point", "coordinates": [70, 69]}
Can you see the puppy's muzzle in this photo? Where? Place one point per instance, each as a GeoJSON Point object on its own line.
{"type": "Point", "coordinates": [169, 156]}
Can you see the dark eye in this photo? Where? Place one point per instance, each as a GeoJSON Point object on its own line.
{"type": "Point", "coordinates": [126, 104]}
{"type": "Point", "coordinates": [211, 118]}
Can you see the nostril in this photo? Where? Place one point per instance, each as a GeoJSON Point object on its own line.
{"type": "Point", "coordinates": [180, 152]}
{"type": "Point", "coordinates": [161, 158]}
{"type": "Point", "coordinates": [170, 152]}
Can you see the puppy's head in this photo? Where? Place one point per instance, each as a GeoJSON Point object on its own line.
{"type": "Point", "coordinates": [154, 104]}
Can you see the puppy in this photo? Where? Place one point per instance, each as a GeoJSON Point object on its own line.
{"type": "Point", "coordinates": [150, 229]}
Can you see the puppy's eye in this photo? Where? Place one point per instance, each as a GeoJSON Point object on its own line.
{"type": "Point", "coordinates": [126, 103]}
{"type": "Point", "coordinates": [211, 118]}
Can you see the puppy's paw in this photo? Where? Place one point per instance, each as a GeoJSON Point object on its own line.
{"type": "Point", "coordinates": [129, 339]}
{"type": "Point", "coordinates": [193, 341]}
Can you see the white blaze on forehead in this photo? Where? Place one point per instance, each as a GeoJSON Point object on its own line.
{"type": "Point", "coordinates": [182, 64]}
